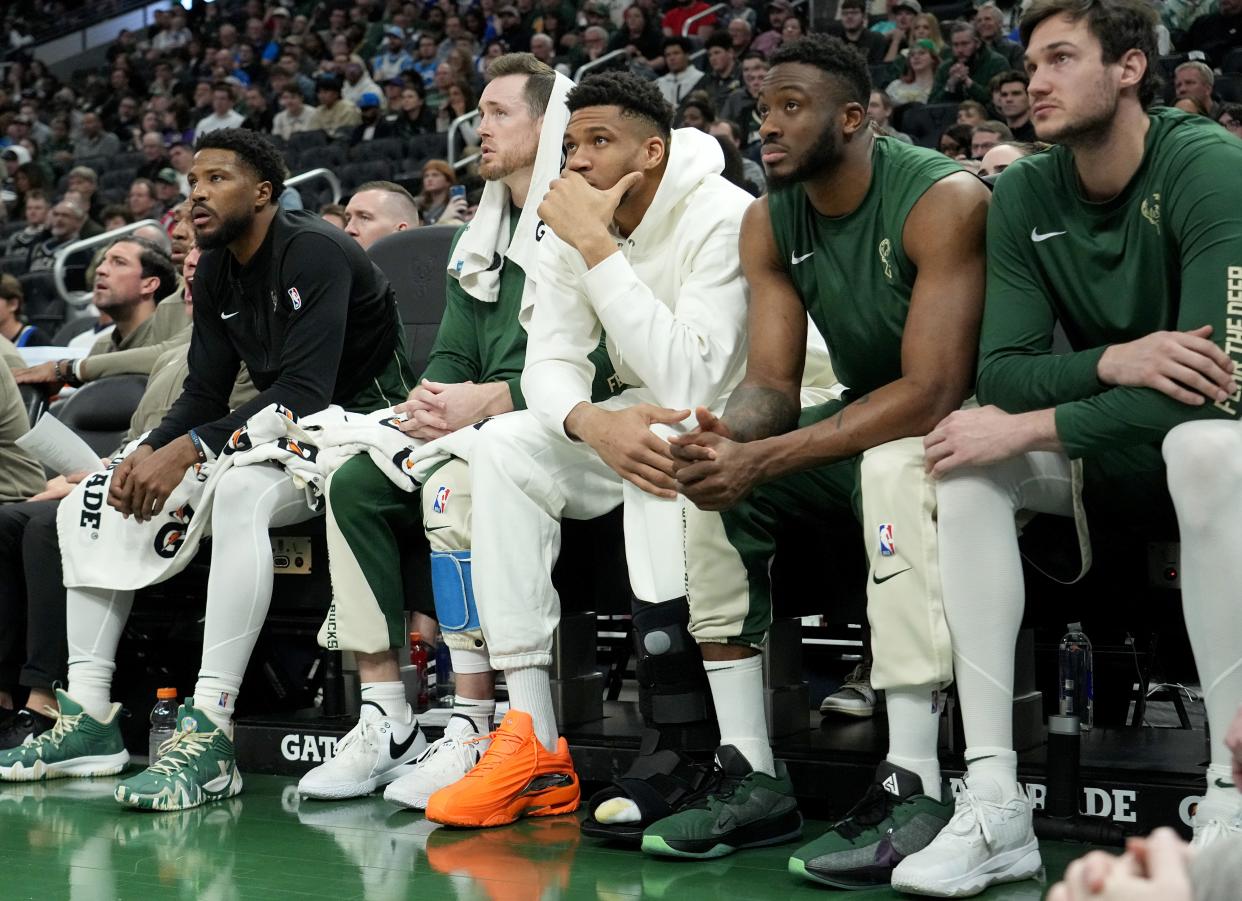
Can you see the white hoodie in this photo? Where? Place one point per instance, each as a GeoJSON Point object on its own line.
{"type": "Point", "coordinates": [672, 302]}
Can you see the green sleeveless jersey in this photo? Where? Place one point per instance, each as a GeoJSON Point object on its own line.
{"type": "Point", "coordinates": [852, 272]}
{"type": "Point", "coordinates": [1165, 253]}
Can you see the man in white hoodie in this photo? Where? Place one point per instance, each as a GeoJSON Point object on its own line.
{"type": "Point", "coordinates": [641, 244]}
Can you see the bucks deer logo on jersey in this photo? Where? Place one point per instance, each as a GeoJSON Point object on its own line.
{"type": "Point", "coordinates": [1150, 208]}
{"type": "Point", "coordinates": [886, 258]}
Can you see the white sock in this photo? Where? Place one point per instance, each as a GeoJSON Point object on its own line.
{"type": "Point", "coordinates": [737, 689]}
{"type": "Point", "coordinates": [95, 619]}
{"type": "Point", "coordinates": [215, 695]}
{"type": "Point", "coordinates": [530, 690]}
{"type": "Point", "coordinates": [913, 731]}
{"type": "Point", "coordinates": [481, 713]}
{"type": "Point", "coordinates": [470, 660]}
{"type": "Point", "coordinates": [390, 697]}
{"type": "Point", "coordinates": [997, 764]}
{"type": "Point", "coordinates": [1220, 800]}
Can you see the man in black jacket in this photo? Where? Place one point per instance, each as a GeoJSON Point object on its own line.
{"type": "Point", "coordinates": [315, 322]}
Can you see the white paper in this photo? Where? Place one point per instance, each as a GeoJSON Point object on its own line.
{"type": "Point", "coordinates": [55, 445]}
{"type": "Point", "coordinates": [36, 355]}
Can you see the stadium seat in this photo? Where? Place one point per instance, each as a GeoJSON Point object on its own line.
{"type": "Point", "coordinates": [327, 156]}
{"type": "Point", "coordinates": [117, 179]}
{"type": "Point", "coordinates": [428, 147]}
{"type": "Point", "coordinates": [303, 139]}
{"type": "Point", "coordinates": [354, 174]}
{"type": "Point", "coordinates": [881, 75]}
{"type": "Point", "coordinates": [1228, 87]}
{"type": "Point", "coordinates": [35, 402]}
{"type": "Point", "coordinates": [131, 160]}
{"type": "Point", "coordinates": [925, 123]}
{"type": "Point", "coordinates": [414, 262]}
{"type": "Point", "coordinates": [1232, 62]}
{"type": "Point", "coordinates": [42, 305]}
{"type": "Point", "coordinates": [99, 411]}
{"type": "Point", "coordinates": [379, 149]}
{"type": "Point", "coordinates": [16, 263]}
{"type": "Point", "coordinates": [72, 328]}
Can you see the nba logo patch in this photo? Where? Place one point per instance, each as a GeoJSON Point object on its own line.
{"type": "Point", "coordinates": [460, 263]}
{"type": "Point", "coordinates": [887, 547]}
{"type": "Point", "coordinates": [224, 700]}
{"type": "Point", "coordinates": [296, 298]}
{"type": "Point", "coordinates": [440, 504]}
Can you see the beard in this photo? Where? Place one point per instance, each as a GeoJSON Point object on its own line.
{"type": "Point", "coordinates": [505, 164]}
{"type": "Point", "coordinates": [1092, 126]}
{"type": "Point", "coordinates": [822, 157]}
{"type": "Point", "coordinates": [229, 230]}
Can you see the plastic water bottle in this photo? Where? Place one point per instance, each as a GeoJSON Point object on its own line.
{"type": "Point", "coordinates": [1076, 692]}
{"type": "Point", "coordinates": [418, 659]}
{"type": "Point", "coordinates": [163, 721]}
{"type": "Point", "coordinates": [445, 683]}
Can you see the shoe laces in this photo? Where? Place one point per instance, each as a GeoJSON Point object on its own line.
{"type": "Point", "coordinates": [970, 814]}
{"type": "Point", "coordinates": [873, 808]}
{"type": "Point", "coordinates": [504, 743]}
{"type": "Point", "coordinates": [717, 788]}
{"type": "Point", "coordinates": [859, 676]}
{"type": "Point", "coordinates": [1215, 829]}
{"type": "Point", "coordinates": [463, 748]}
{"type": "Point", "coordinates": [179, 751]}
{"type": "Point", "coordinates": [63, 726]}
{"type": "Point", "coordinates": [364, 732]}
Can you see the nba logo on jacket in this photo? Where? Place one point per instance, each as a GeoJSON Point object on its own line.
{"type": "Point", "coordinates": [296, 298]}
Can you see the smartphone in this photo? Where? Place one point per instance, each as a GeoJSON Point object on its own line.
{"type": "Point", "coordinates": [457, 191]}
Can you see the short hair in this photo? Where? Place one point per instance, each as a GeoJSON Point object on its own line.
{"type": "Point", "coordinates": [116, 210]}
{"type": "Point", "coordinates": [404, 198]}
{"type": "Point", "coordinates": [1119, 25]}
{"type": "Point", "coordinates": [734, 128]}
{"type": "Point", "coordinates": [835, 58]}
{"type": "Point", "coordinates": [154, 261]}
{"type": "Point", "coordinates": [1026, 147]}
{"type": "Point", "coordinates": [1203, 69]}
{"type": "Point", "coordinates": [677, 41]}
{"type": "Point", "coordinates": [719, 39]}
{"type": "Point", "coordinates": [11, 289]}
{"type": "Point", "coordinates": [332, 209]}
{"type": "Point", "coordinates": [540, 78]}
{"type": "Point", "coordinates": [222, 86]}
{"type": "Point", "coordinates": [150, 185]}
{"type": "Point", "coordinates": [756, 55]}
{"type": "Point", "coordinates": [703, 105]}
{"type": "Point", "coordinates": [637, 98]}
{"type": "Point", "coordinates": [1234, 110]}
{"type": "Point", "coordinates": [885, 100]}
{"type": "Point", "coordinates": [1008, 77]}
{"type": "Point", "coordinates": [993, 126]}
{"type": "Point", "coordinates": [37, 194]}
{"type": "Point", "coordinates": [854, 4]}
{"type": "Point", "coordinates": [958, 26]}
{"type": "Point", "coordinates": [973, 105]}
{"type": "Point", "coordinates": [254, 151]}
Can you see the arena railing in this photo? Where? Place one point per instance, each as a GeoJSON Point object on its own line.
{"type": "Point", "coordinates": [311, 175]}
{"type": "Point", "coordinates": [710, 11]}
{"type": "Point", "coordinates": [451, 140]}
{"type": "Point", "coordinates": [79, 300]}
{"type": "Point", "coordinates": [595, 63]}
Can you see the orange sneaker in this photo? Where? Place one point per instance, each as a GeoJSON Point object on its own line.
{"type": "Point", "coordinates": [517, 777]}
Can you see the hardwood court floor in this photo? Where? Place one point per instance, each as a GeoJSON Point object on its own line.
{"type": "Point", "coordinates": [69, 840]}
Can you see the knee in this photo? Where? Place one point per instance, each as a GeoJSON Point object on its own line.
{"type": "Point", "coordinates": [1204, 472]}
{"type": "Point", "coordinates": [240, 498]}
{"type": "Point", "coordinates": [964, 494]}
{"type": "Point", "coordinates": [350, 487]}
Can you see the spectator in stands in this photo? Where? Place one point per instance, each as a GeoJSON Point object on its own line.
{"type": "Point", "coordinates": [640, 37]}
{"type": "Point", "coordinates": [1143, 416]}
{"type": "Point", "coordinates": [13, 326]}
{"type": "Point", "coordinates": [116, 215]}
{"type": "Point", "coordinates": [333, 213]}
{"type": "Point", "coordinates": [67, 219]}
{"type": "Point", "coordinates": [679, 11]}
{"type": "Point", "coordinates": [751, 171]}
{"type": "Point", "coordinates": [288, 64]}
{"type": "Point", "coordinates": [697, 112]}
{"type": "Point", "coordinates": [986, 136]}
{"type": "Point", "coordinates": [379, 208]}
{"type": "Point", "coordinates": [59, 147]}
{"type": "Point", "coordinates": [512, 31]}
{"type": "Point", "coordinates": [35, 230]}
{"type": "Point", "coordinates": [724, 74]}
{"type": "Point", "coordinates": [181, 158]}
{"type": "Point", "coordinates": [742, 34]}
{"type": "Point", "coordinates": [154, 155]}
{"type": "Point", "coordinates": [741, 108]}
{"type": "Point", "coordinates": [990, 26]}
{"type": "Point", "coordinates": [768, 41]}
{"type": "Point", "coordinates": [543, 48]}
{"type": "Point", "coordinates": [1229, 115]}
{"type": "Point", "coordinates": [371, 126]}
{"type": "Point", "coordinates": [93, 142]}
{"type": "Point", "coordinates": [1191, 105]}
{"type": "Point", "coordinates": [412, 117]}
{"type": "Point", "coordinates": [1005, 154]}
{"type": "Point", "coordinates": [427, 60]}
{"type": "Point", "coordinates": [459, 102]}
{"type": "Point", "coordinates": [1010, 99]}
{"type": "Point", "coordinates": [142, 200]}
{"type": "Point", "coordinates": [971, 113]}
{"type": "Point", "coordinates": [852, 29]}
{"type": "Point", "coordinates": [955, 141]}
{"type": "Point", "coordinates": [295, 116]}
{"type": "Point", "coordinates": [880, 111]}
{"type": "Point", "coordinates": [927, 28]}
{"type": "Point", "coordinates": [127, 125]}
{"type": "Point", "coordinates": [1216, 34]}
{"type": "Point", "coordinates": [168, 196]}
{"type": "Point", "coordinates": [222, 113]}
{"type": "Point", "coordinates": [259, 114]}
{"type": "Point", "coordinates": [20, 479]}
{"type": "Point", "coordinates": [394, 60]}
{"type": "Point", "coordinates": [343, 347]}
{"type": "Point", "coordinates": [794, 29]}
{"type": "Point", "coordinates": [357, 83]}
{"type": "Point", "coordinates": [333, 113]}
{"type": "Point", "coordinates": [967, 75]}
{"type": "Point", "coordinates": [434, 203]}
{"type": "Point", "coordinates": [1194, 81]}
{"type": "Point", "coordinates": [682, 78]}
{"type": "Point", "coordinates": [901, 36]}
{"type": "Point", "coordinates": [916, 82]}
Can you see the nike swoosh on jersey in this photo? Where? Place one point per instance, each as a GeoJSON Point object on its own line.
{"type": "Point", "coordinates": [396, 750]}
{"type": "Point", "coordinates": [794, 259]}
{"type": "Point", "coordinates": [879, 581]}
{"type": "Point", "coordinates": [229, 315]}
{"type": "Point", "coordinates": [1037, 237]}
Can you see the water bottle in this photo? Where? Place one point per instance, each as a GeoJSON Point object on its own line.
{"type": "Point", "coordinates": [445, 683]}
{"type": "Point", "coordinates": [418, 659]}
{"type": "Point", "coordinates": [1075, 692]}
{"type": "Point", "coordinates": [163, 721]}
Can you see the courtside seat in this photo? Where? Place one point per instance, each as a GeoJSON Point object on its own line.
{"type": "Point", "coordinates": [414, 261]}
{"type": "Point", "coordinates": [99, 411]}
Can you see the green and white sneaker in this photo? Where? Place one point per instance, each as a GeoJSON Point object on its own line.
{"type": "Point", "coordinates": [196, 766]}
{"type": "Point", "coordinates": [78, 745]}
{"type": "Point", "coordinates": [893, 820]}
{"type": "Point", "coordinates": [744, 809]}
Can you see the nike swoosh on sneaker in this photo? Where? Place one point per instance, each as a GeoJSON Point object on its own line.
{"type": "Point", "coordinates": [396, 750]}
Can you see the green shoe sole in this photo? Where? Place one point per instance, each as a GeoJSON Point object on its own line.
{"type": "Point", "coordinates": [165, 801]}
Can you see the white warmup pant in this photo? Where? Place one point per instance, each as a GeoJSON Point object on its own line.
{"type": "Point", "coordinates": [526, 479]}
{"type": "Point", "coordinates": [249, 501]}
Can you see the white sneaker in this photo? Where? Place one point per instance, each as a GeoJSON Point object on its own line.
{"type": "Point", "coordinates": [1212, 826]}
{"type": "Point", "coordinates": [991, 839]}
{"type": "Point", "coordinates": [444, 762]}
{"type": "Point", "coordinates": [375, 752]}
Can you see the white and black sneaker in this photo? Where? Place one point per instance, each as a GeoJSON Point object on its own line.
{"type": "Point", "coordinates": [443, 763]}
{"type": "Point", "coordinates": [374, 753]}
{"type": "Point", "coordinates": [990, 840]}
{"type": "Point", "coordinates": [855, 697]}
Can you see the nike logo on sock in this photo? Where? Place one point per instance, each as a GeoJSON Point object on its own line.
{"type": "Point", "coordinates": [1221, 783]}
{"type": "Point", "coordinates": [396, 750]}
{"type": "Point", "coordinates": [970, 760]}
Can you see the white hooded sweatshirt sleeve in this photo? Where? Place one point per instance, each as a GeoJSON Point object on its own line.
{"type": "Point", "coordinates": [672, 302]}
